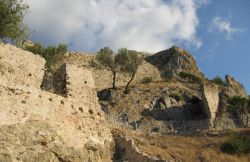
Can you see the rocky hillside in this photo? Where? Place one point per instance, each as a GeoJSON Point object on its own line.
{"type": "Point", "coordinates": [170, 99]}
{"type": "Point", "coordinates": [73, 115]}
{"type": "Point", "coordinates": [178, 93]}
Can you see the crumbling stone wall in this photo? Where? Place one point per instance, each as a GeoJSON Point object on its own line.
{"type": "Point", "coordinates": [37, 125]}
{"type": "Point", "coordinates": [211, 101]}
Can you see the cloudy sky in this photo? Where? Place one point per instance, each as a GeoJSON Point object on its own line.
{"type": "Point", "coordinates": [216, 32]}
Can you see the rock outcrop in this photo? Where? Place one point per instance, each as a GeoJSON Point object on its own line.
{"type": "Point", "coordinates": [126, 150]}
{"type": "Point", "coordinates": [234, 87]}
{"type": "Point", "coordinates": [173, 61]}
{"type": "Point", "coordinates": [40, 126]}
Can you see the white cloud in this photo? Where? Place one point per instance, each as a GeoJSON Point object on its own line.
{"type": "Point", "coordinates": [150, 25]}
{"type": "Point", "coordinates": [224, 26]}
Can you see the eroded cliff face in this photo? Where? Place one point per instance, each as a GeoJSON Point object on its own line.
{"type": "Point", "coordinates": [234, 87]}
{"type": "Point", "coordinates": [173, 61]}
{"type": "Point", "coordinates": [40, 126]}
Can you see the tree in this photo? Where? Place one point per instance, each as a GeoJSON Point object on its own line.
{"type": "Point", "coordinates": [129, 61]}
{"type": "Point", "coordinates": [11, 16]}
{"type": "Point", "coordinates": [107, 59]}
{"type": "Point", "coordinates": [238, 104]}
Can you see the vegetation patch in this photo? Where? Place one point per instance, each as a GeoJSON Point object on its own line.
{"type": "Point", "coordinates": [236, 145]}
{"type": "Point", "coordinates": [190, 77]}
{"type": "Point", "coordinates": [147, 80]}
{"type": "Point", "coordinates": [176, 96]}
{"type": "Point", "coordinates": [219, 81]}
{"type": "Point", "coordinates": [238, 103]}
{"type": "Point", "coordinates": [52, 54]}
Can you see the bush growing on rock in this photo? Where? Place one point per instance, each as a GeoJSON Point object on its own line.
{"type": "Point", "coordinates": [176, 96]}
{"type": "Point", "coordinates": [219, 81]}
{"type": "Point", "coordinates": [239, 105]}
{"type": "Point", "coordinates": [11, 16]}
{"type": "Point", "coordinates": [147, 80]}
{"type": "Point", "coordinates": [190, 77]}
{"type": "Point", "coordinates": [51, 54]}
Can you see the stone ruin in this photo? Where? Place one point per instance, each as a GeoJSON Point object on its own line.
{"type": "Point", "coordinates": [37, 125]}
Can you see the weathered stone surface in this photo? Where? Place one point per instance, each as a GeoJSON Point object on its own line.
{"type": "Point", "coordinates": [126, 150]}
{"type": "Point", "coordinates": [20, 67]}
{"type": "Point", "coordinates": [211, 101]}
{"type": "Point", "coordinates": [234, 87]}
{"type": "Point", "coordinates": [37, 125]}
{"type": "Point", "coordinates": [174, 60]}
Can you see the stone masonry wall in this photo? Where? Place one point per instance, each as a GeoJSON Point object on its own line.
{"type": "Point", "coordinates": [211, 101]}
{"type": "Point", "coordinates": [40, 126]}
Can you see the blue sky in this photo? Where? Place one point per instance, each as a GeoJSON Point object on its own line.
{"type": "Point", "coordinates": [216, 32]}
{"type": "Point", "coordinates": [223, 54]}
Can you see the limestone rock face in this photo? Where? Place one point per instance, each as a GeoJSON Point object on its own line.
{"type": "Point", "coordinates": [20, 67]}
{"type": "Point", "coordinates": [174, 60]}
{"type": "Point", "coordinates": [38, 126]}
{"type": "Point", "coordinates": [234, 87]}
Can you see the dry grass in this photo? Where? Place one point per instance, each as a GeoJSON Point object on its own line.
{"type": "Point", "coordinates": [187, 149]}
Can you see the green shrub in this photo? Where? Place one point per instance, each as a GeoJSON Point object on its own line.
{"type": "Point", "coordinates": [219, 81]}
{"type": "Point", "coordinates": [237, 103]}
{"type": "Point", "coordinates": [51, 54]}
{"type": "Point", "coordinates": [190, 77]}
{"type": "Point", "coordinates": [236, 145]}
{"type": "Point", "coordinates": [176, 96]}
{"type": "Point", "coordinates": [147, 80]}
